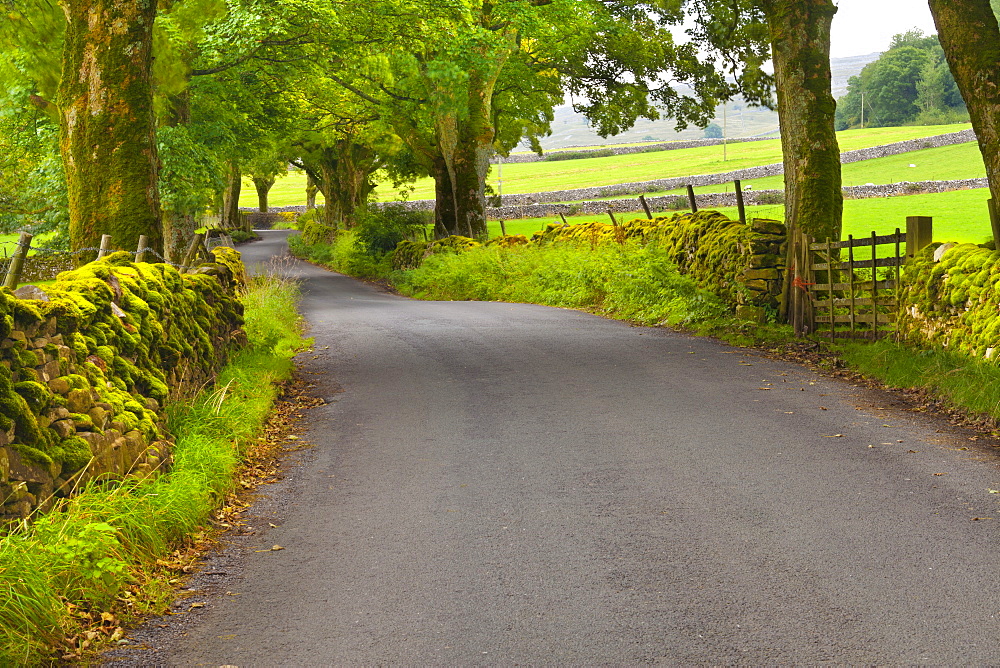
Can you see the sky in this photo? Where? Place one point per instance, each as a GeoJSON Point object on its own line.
{"type": "Point", "coordinates": [865, 26]}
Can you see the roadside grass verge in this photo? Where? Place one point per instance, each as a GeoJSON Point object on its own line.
{"type": "Point", "coordinates": [631, 282]}
{"type": "Point", "coordinates": [344, 256]}
{"type": "Point", "coordinates": [74, 577]}
{"type": "Point", "coordinates": [960, 380]}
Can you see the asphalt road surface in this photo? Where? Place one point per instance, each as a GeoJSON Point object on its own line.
{"type": "Point", "coordinates": [513, 484]}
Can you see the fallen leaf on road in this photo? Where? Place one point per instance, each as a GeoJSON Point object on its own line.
{"type": "Point", "coordinates": [940, 474]}
{"type": "Point", "coordinates": [763, 388]}
{"type": "Point", "coordinates": [822, 408]}
{"type": "Point", "coordinates": [994, 491]}
{"type": "Point", "coordinates": [273, 548]}
{"type": "Point", "coordinates": [196, 605]}
{"type": "Point", "coordinates": [976, 519]}
{"type": "Point", "coordinates": [913, 451]}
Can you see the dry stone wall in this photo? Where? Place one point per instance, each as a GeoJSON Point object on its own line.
{"type": "Point", "coordinates": [87, 363]}
{"type": "Point", "coordinates": [951, 298]}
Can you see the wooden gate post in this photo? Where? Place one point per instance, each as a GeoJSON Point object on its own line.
{"type": "Point", "coordinates": [919, 233]}
{"type": "Point", "coordinates": [691, 199]}
{"type": "Point", "coordinates": [798, 279]}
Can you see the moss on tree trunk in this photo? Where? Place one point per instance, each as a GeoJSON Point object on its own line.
{"type": "Point", "coordinates": [800, 45]}
{"type": "Point", "coordinates": [970, 37]}
{"type": "Point", "coordinates": [108, 139]}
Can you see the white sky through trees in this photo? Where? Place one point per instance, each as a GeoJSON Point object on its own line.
{"type": "Point", "coordinates": [866, 26]}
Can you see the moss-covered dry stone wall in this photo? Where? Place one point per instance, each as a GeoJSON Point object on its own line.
{"type": "Point", "coordinates": [87, 363]}
{"type": "Point", "coordinates": [950, 297]}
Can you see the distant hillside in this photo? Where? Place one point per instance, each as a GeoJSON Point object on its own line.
{"type": "Point", "coordinates": [571, 129]}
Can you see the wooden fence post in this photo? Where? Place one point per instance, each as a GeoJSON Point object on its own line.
{"type": "Point", "coordinates": [105, 246]}
{"type": "Point", "coordinates": [691, 199]}
{"type": "Point", "coordinates": [563, 219]}
{"type": "Point", "coordinates": [739, 202]}
{"type": "Point", "coordinates": [192, 251]}
{"type": "Point", "coordinates": [503, 228]}
{"type": "Point", "coordinates": [645, 207]}
{"type": "Point", "coordinates": [17, 261]}
{"type": "Point", "coordinates": [613, 220]}
{"type": "Point", "coordinates": [140, 252]}
{"type": "Point", "coordinates": [920, 233]}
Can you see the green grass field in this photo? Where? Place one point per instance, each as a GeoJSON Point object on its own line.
{"type": "Point", "coordinates": [959, 216]}
{"type": "Point", "coordinates": [960, 161]}
{"type": "Point", "coordinates": [562, 175]}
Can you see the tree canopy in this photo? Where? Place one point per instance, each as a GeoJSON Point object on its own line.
{"type": "Point", "coordinates": [909, 83]}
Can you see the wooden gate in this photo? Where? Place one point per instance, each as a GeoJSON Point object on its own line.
{"type": "Point", "coordinates": [849, 288]}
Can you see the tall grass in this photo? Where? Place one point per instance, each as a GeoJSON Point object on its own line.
{"type": "Point", "coordinates": [963, 381]}
{"type": "Point", "coordinates": [78, 560]}
{"type": "Point", "coordinates": [344, 255]}
{"type": "Point", "coordinates": [631, 281]}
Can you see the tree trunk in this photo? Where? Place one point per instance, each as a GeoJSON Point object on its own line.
{"type": "Point", "coordinates": [470, 168]}
{"type": "Point", "coordinates": [800, 45]}
{"type": "Point", "coordinates": [263, 185]}
{"type": "Point", "coordinates": [970, 37]}
{"type": "Point", "coordinates": [331, 205]}
{"type": "Point", "coordinates": [466, 145]}
{"type": "Point", "coordinates": [444, 201]}
{"type": "Point", "coordinates": [108, 141]}
{"type": "Point", "coordinates": [178, 228]}
{"type": "Point", "coordinates": [311, 190]}
{"type": "Point", "coordinates": [230, 216]}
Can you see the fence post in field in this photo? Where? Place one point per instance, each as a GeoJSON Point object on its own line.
{"type": "Point", "coordinates": [140, 252]}
{"type": "Point", "coordinates": [614, 221]}
{"type": "Point", "coordinates": [694, 204]}
{"type": "Point", "coordinates": [739, 202]}
{"type": "Point", "coordinates": [564, 220]}
{"type": "Point", "coordinates": [994, 221]}
{"type": "Point", "coordinates": [919, 233]}
{"type": "Point", "coordinates": [503, 229]}
{"type": "Point", "coordinates": [17, 261]}
{"type": "Point", "coordinates": [105, 246]}
{"type": "Point", "coordinates": [645, 207]}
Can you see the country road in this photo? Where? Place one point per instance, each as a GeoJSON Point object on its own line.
{"type": "Point", "coordinates": [513, 484]}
